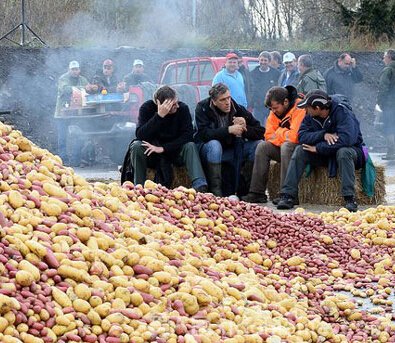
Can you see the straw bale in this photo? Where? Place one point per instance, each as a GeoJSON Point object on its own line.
{"type": "Point", "coordinates": [319, 189]}
{"type": "Point", "coordinates": [180, 176]}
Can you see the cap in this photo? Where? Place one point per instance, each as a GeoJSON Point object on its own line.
{"type": "Point", "coordinates": [231, 55]}
{"type": "Point", "coordinates": [137, 62]}
{"type": "Point", "coordinates": [313, 98]}
{"type": "Point", "coordinates": [108, 62]}
{"type": "Point", "coordinates": [74, 64]}
{"type": "Point", "coordinates": [289, 57]}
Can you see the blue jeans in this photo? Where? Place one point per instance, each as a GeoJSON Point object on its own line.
{"type": "Point", "coordinates": [242, 151]}
{"type": "Point", "coordinates": [62, 127]}
{"type": "Point", "coordinates": [261, 115]}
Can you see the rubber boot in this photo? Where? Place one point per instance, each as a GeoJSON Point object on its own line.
{"type": "Point", "coordinates": [214, 178]}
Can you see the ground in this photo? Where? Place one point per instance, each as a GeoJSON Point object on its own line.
{"type": "Point", "coordinates": [107, 173]}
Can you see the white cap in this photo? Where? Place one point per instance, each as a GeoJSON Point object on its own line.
{"type": "Point", "coordinates": [74, 64]}
{"type": "Point", "coordinates": [289, 57]}
{"type": "Point", "coordinates": [137, 62]}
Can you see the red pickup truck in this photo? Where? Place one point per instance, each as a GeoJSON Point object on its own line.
{"type": "Point", "coordinates": [109, 121]}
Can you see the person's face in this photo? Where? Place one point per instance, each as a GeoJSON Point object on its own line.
{"type": "Point", "coordinates": [108, 69]}
{"type": "Point", "coordinates": [290, 66]}
{"type": "Point", "coordinates": [223, 102]}
{"type": "Point", "coordinates": [313, 111]}
{"type": "Point", "coordinates": [301, 67]}
{"type": "Point", "coordinates": [138, 69]}
{"type": "Point", "coordinates": [240, 62]}
{"type": "Point", "coordinates": [386, 59]}
{"type": "Point", "coordinates": [175, 106]}
{"type": "Point", "coordinates": [345, 64]}
{"type": "Point", "coordinates": [75, 72]}
{"type": "Point", "coordinates": [278, 108]}
{"type": "Point", "coordinates": [232, 65]}
{"type": "Point", "coordinates": [264, 62]}
{"type": "Point", "coordinates": [274, 63]}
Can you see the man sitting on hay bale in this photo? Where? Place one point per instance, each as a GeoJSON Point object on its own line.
{"type": "Point", "coordinates": [329, 136]}
{"type": "Point", "coordinates": [281, 138]}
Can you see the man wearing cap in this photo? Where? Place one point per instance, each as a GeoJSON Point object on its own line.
{"type": "Point", "coordinates": [137, 75]}
{"type": "Point", "coordinates": [290, 75]}
{"type": "Point", "coordinates": [329, 136]}
{"type": "Point", "coordinates": [231, 77]}
{"type": "Point", "coordinates": [164, 137]}
{"type": "Point", "coordinates": [264, 77]}
{"type": "Point", "coordinates": [65, 87]}
{"type": "Point", "coordinates": [309, 78]}
{"type": "Point", "coordinates": [226, 133]}
{"type": "Point", "coordinates": [281, 138]}
{"type": "Point", "coordinates": [105, 80]}
{"type": "Point", "coordinates": [341, 78]}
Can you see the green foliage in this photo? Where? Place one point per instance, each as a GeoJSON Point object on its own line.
{"type": "Point", "coordinates": [372, 17]}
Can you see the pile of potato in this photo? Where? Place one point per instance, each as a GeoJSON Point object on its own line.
{"type": "Point", "coordinates": [83, 262]}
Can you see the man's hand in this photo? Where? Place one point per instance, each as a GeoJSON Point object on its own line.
{"type": "Point", "coordinates": [236, 130]}
{"type": "Point", "coordinates": [331, 138]}
{"type": "Point", "coordinates": [164, 109]}
{"type": "Point", "coordinates": [310, 148]}
{"type": "Point", "coordinates": [91, 88]}
{"type": "Point", "coordinates": [152, 148]}
{"type": "Point", "coordinates": [121, 86]}
{"type": "Point", "coordinates": [240, 121]}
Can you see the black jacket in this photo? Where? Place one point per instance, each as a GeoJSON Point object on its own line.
{"type": "Point", "coordinates": [110, 84]}
{"type": "Point", "coordinates": [341, 120]}
{"type": "Point", "coordinates": [170, 132]}
{"type": "Point", "coordinates": [208, 127]}
{"type": "Point", "coordinates": [339, 81]}
{"type": "Point", "coordinates": [261, 83]}
{"type": "Point", "coordinates": [132, 79]}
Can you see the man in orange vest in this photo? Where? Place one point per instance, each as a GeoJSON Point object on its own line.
{"type": "Point", "coordinates": [281, 138]}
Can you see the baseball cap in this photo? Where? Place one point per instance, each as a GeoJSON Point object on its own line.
{"type": "Point", "coordinates": [108, 62]}
{"type": "Point", "coordinates": [313, 98]}
{"type": "Point", "coordinates": [137, 62]}
{"type": "Point", "coordinates": [231, 55]}
{"type": "Point", "coordinates": [289, 57]}
{"type": "Point", "coordinates": [74, 64]}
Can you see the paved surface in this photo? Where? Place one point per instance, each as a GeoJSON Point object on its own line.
{"type": "Point", "coordinates": [110, 172]}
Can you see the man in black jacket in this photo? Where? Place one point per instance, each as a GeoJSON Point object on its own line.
{"type": "Point", "coordinates": [340, 78]}
{"type": "Point", "coordinates": [329, 136]}
{"type": "Point", "coordinates": [226, 132]}
{"type": "Point", "coordinates": [164, 137]}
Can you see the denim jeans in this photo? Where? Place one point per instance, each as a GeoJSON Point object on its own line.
{"type": "Point", "coordinates": [242, 151]}
{"type": "Point", "coordinates": [261, 115]}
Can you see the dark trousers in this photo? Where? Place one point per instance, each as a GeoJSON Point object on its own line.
{"type": "Point", "coordinates": [345, 159]}
{"type": "Point", "coordinates": [188, 156]}
{"type": "Point", "coordinates": [264, 153]}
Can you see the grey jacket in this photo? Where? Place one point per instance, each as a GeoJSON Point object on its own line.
{"type": "Point", "coordinates": [386, 94]}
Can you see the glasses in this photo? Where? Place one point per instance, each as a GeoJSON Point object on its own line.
{"type": "Point", "coordinates": [107, 67]}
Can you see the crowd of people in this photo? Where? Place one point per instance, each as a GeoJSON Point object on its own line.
{"type": "Point", "coordinates": [284, 110]}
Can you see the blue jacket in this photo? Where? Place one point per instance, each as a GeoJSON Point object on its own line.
{"type": "Point", "coordinates": [235, 83]}
{"type": "Point", "coordinates": [341, 120]}
{"type": "Point", "coordinates": [292, 80]}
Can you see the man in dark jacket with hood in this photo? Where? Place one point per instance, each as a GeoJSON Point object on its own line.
{"type": "Point", "coordinates": [226, 132]}
{"type": "Point", "coordinates": [340, 78]}
{"type": "Point", "coordinates": [329, 136]}
{"type": "Point", "coordinates": [386, 101]}
{"type": "Point", "coordinates": [164, 137]}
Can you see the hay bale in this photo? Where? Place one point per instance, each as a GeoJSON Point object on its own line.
{"type": "Point", "coordinates": [180, 176]}
{"type": "Point", "coordinates": [319, 189]}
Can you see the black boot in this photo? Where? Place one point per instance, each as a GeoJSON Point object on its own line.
{"type": "Point", "coordinates": [257, 198]}
{"type": "Point", "coordinates": [214, 178]}
{"type": "Point", "coordinates": [351, 204]}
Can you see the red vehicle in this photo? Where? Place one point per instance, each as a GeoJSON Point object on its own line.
{"type": "Point", "coordinates": [111, 119]}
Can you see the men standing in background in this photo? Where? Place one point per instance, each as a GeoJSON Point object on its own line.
{"type": "Point", "coordinates": [137, 75]}
{"type": "Point", "coordinates": [263, 78]}
{"type": "Point", "coordinates": [290, 75]}
{"type": "Point", "coordinates": [340, 78]}
{"type": "Point", "coordinates": [65, 88]}
{"type": "Point", "coordinates": [276, 61]}
{"type": "Point", "coordinates": [105, 80]}
{"type": "Point", "coordinates": [309, 78]}
{"type": "Point", "coordinates": [231, 77]}
{"type": "Point", "coordinates": [386, 101]}
{"type": "Point", "coordinates": [246, 77]}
